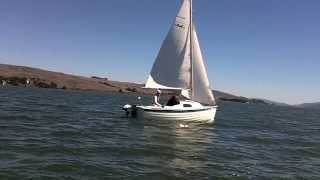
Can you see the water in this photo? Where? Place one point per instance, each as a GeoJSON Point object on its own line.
{"type": "Point", "coordinates": [53, 134]}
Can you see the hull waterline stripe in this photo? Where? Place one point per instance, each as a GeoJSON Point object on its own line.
{"type": "Point", "coordinates": [175, 111]}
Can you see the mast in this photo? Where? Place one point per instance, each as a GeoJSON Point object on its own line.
{"type": "Point", "coordinates": [191, 50]}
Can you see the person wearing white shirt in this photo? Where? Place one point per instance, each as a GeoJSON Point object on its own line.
{"type": "Point", "coordinates": [157, 98]}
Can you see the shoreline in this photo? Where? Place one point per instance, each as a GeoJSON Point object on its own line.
{"type": "Point", "coordinates": [23, 76]}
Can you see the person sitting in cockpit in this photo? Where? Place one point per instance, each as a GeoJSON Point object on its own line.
{"type": "Point", "coordinates": [173, 101]}
{"type": "Point", "coordinates": [157, 98]}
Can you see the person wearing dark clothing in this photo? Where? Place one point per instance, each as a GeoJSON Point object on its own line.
{"type": "Point", "coordinates": [173, 101]}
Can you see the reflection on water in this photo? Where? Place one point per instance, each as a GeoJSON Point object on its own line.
{"type": "Point", "coordinates": [187, 147]}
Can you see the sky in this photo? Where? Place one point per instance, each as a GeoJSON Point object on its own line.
{"type": "Point", "coordinates": [255, 48]}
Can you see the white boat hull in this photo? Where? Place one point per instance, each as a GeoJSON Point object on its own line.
{"type": "Point", "coordinates": [206, 114]}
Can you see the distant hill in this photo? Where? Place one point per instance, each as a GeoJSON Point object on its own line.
{"type": "Point", "coordinates": [34, 77]}
{"type": "Point", "coordinates": [310, 105]}
{"type": "Point", "coordinates": [275, 103]}
{"type": "Point", "coordinates": [222, 96]}
{"type": "Point", "coordinates": [18, 76]}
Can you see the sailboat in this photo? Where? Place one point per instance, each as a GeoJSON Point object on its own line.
{"type": "Point", "coordinates": [179, 66]}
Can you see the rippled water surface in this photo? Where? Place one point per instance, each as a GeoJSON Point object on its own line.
{"type": "Point", "coordinates": [53, 134]}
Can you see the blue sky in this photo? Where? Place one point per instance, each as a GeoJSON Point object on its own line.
{"type": "Point", "coordinates": [255, 48]}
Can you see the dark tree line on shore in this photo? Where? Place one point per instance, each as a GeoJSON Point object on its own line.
{"type": "Point", "coordinates": [33, 82]}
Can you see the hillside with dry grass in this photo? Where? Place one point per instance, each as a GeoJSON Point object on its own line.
{"type": "Point", "coordinates": [34, 77]}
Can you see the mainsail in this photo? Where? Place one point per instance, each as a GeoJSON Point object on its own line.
{"type": "Point", "coordinates": [174, 67]}
{"type": "Point", "coordinates": [171, 69]}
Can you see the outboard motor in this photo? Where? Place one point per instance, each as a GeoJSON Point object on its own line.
{"type": "Point", "coordinates": [131, 110]}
